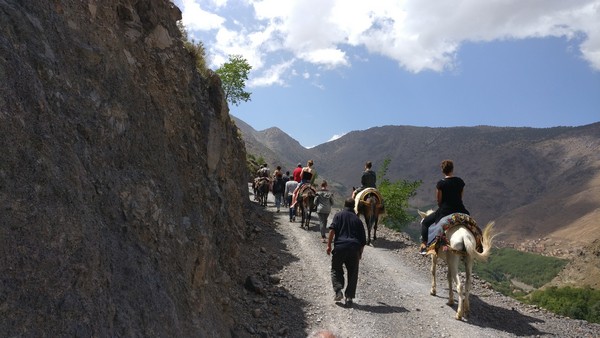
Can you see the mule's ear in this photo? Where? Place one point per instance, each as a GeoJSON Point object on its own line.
{"type": "Point", "coordinates": [422, 214]}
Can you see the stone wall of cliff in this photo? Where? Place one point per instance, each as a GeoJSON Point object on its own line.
{"type": "Point", "coordinates": [121, 202]}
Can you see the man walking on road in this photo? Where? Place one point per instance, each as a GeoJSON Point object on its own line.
{"type": "Point", "coordinates": [348, 235]}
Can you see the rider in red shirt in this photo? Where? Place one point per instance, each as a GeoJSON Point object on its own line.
{"type": "Point", "coordinates": [297, 174]}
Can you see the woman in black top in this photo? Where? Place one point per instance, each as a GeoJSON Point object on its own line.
{"type": "Point", "coordinates": [449, 192]}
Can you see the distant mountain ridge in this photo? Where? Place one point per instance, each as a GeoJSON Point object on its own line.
{"type": "Point", "coordinates": [535, 182]}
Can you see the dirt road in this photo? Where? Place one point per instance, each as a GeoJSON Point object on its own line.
{"type": "Point", "coordinates": [392, 296]}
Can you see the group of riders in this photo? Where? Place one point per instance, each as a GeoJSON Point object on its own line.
{"type": "Point", "coordinates": [284, 187]}
{"type": "Point", "coordinates": [449, 192]}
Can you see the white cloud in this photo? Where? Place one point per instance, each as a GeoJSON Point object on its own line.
{"type": "Point", "coordinates": [271, 76]}
{"type": "Point", "coordinates": [219, 3]}
{"type": "Point", "coordinates": [418, 34]}
{"type": "Point", "coordinates": [329, 57]}
{"type": "Point", "coordinates": [195, 18]}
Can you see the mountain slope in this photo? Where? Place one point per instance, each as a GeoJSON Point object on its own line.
{"type": "Point", "coordinates": [535, 182]}
{"type": "Point", "coordinates": [275, 146]}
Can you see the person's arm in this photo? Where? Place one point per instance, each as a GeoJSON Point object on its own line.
{"type": "Point", "coordinates": [329, 240]}
{"type": "Point", "coordinates": [438, 196]}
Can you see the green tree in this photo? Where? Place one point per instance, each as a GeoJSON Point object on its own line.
{"type": "Point", "coordinates": [233, 77]}
{"type": "Point", "coordinates": [396, 195]}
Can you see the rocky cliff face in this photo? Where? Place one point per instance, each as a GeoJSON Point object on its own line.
{"type": "Point", "coordinates": [121, 203]}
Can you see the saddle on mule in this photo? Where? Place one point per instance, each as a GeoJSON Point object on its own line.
{"type": "Point", "coordinates": [438, 231]}
{"type": "Point", "coordinates": [362, 198]}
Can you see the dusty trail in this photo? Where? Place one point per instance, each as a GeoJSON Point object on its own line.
{"type": "Point", "coordinates": [393, 294]}
{"type": "Point", "coordinates": [392, 298]}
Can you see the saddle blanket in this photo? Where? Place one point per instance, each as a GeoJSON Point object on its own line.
{"type": "Point", "coordinates": [437, 231]}
{"type": "Point", "coordinates": [361, 196]}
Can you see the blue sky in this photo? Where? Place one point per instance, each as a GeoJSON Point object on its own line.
{"type": "Point", "coordinates": [323, 68]}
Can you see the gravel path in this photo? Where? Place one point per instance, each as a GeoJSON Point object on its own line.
{"type": "Point", "coordinates": [392, 296]}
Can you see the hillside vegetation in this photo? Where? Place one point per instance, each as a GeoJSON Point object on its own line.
{"type": "Point", "coordinates": [577, 303]}
{"type": "Point", "coordinates": [507, 265]}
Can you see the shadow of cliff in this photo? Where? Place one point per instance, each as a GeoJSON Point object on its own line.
{"type": "Point", "coordinates": [273, 310]}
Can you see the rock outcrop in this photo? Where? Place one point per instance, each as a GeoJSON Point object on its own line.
{"type": "Point", "coordinates": [121, 202]}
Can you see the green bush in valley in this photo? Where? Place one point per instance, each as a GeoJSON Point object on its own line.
{"type": "Point", "coordinates": [505, 264]}
{"type": "Point", "coordinates": [577, 303]}
{"type": "Point", "coordinates": [532, 269]}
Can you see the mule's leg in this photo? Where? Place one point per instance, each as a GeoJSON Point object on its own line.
{"type": "Point", "coordinates": [452, 276]}
{"type": "Point", "coordinates": [304, 218]}
{"type": "Point", "coordinates": [460, 289]}
{"type": "Point", "coordinates": [374, 218]}
{"type": "Point", "coordinates": [375, 229]}
{"type": "Point", "coordinates": [469, 272]}
{"type": "Point", "coordinates": [434, 259]}
{"type": "Point", "coordinates": [368, 221]}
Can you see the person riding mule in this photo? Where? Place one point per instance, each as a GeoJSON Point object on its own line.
{"type": "Point", "coordinates": [368, 179]}
{"type": "Point", "coordinates": [368, 200]}
{"type": "Point", "coordinates": [305, 201]}
{"type": "Point", "coordinates": [459, 231]}
{"type": "Point", "coordinates": [261, 190]}
{"type": "Point", "coordinates": [369, 203]}
{"type": "Point", "coordinates": [307, 175]}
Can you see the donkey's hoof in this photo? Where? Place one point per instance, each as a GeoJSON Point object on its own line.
{"type": "Point", "coordinates": [432, 292]}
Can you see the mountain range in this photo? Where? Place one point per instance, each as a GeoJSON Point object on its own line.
{"type": "Point", "coordinates": [538, 184]}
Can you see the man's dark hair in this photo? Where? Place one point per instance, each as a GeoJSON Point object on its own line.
{"type": "Point", "coordinates": [368, 164]}
{"type": "Point", "coordinates": [349, 203]}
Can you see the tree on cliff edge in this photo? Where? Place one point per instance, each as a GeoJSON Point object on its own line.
{"type": "Point", "coordinates": [234, 74]}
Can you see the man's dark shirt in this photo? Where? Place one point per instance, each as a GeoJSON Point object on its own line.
{"type": "Point", "coordinates": [349, 231]}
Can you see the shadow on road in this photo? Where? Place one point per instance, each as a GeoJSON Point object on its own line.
{"type": "Point", "coordinates": [489, 316]}
{"type": "Point", "coordinates": [384, 243]}
{"type": "Point", "coordinates": [381, 308]}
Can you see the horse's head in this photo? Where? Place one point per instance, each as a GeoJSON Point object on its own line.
{"type": "Point", "coordinates": [424, 214]}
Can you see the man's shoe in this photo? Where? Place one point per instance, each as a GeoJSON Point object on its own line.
{"type": "Point", "coordinates": [338, 296]}
{"type": "Point", "coordinates": [349, 302]}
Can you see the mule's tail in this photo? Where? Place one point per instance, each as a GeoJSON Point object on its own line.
{"type": "Point", "coordinates": [486, 241]}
